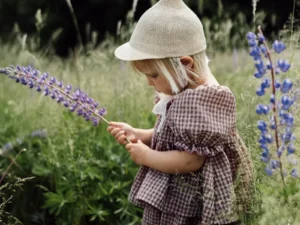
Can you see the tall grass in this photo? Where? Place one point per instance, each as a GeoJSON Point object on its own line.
{"type": "Point", "coordinates": [82, 176]}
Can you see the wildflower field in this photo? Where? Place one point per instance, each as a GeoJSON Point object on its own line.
{"type": "Point", "coordinates": [70, 172]}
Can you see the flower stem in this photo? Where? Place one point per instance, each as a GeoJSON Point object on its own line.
{"type": "Point", "coordinates": [64, 93]}
{"type": "Point", "coordinates": [18, 74]}
{"type": "Point", "coordinates": [274, 106]}
{"type": "Point", "coordinates": [10, 165]}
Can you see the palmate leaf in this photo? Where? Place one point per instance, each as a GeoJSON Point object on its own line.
{"type": "Point", "coordinates": [55, 202]}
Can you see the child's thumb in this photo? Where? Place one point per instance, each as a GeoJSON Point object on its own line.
{"type": "Point", "coordinates": [132, 139]}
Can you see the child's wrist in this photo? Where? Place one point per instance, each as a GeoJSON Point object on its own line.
{"type": "Point", "coordinates": [136, 133]}
{"type": "Point", "coordinates": [145, 156]}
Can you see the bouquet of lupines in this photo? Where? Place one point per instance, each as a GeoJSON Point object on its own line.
{"type": "Point", "coordinates": [74, 99]}
{"type": "Point", "coordinates": [276, 134]}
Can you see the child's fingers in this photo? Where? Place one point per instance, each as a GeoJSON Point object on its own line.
{"type": "Point", "coordinates": [114, 131]}
{"type": "Point", "coordinates": [109, 129]}
{"type": "Point", "coordinates": [128, 146]}
{"type": "Point", "coordinates": [120, 133]}
{"type": "Point", "coordinates": [122, 139]}
{"type": "Point", "coordinates": [116, 124]}
{"type": "Point", "coordinates": [132, 139]}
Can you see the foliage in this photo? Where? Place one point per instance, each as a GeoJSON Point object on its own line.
{"type": "Point", "coordinates": [82, 176]}
{"type": "Point", "coordinates": [276, 138]}
{"type": "Point", "coordinates": [6, 195]}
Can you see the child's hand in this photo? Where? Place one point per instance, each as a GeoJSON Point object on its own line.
{"type": "Point", "coordinates": [138, 151]}
{"type": "Point", "coordinates": [121, 131]}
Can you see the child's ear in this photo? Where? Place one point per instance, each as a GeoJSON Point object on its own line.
{"type": "Point", "coordinates": [187, 61]}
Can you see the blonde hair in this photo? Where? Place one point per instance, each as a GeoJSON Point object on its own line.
{"type": "Point", "coordinates": [168, 66]}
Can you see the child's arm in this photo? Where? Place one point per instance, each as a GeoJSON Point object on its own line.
{"type": "Point", "coordinates": [145, 135]}
{"type": "Point", "coordinates": [122, 130]}
{"type": "Point", "coordinates": [171, 162]}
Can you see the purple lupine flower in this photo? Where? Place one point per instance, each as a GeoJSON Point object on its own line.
{"type": "Point", "coordinates": [291, 149]}
{"type": "Point", "coordinates": [38, 88]}
{"type": "Point", "coordinates": [260, 66]}
{"type": "Point", "coordinates": [278, 46]}
{"type": "Point", "coordinates": [269, 171]}
{"type": "Point", "coordinates": [95, 121]}
{"type": "Point", "coordinates": [277, 70]}
{"type": "Point", "coordinates": [262, 109]}
{"type": "Point", "coordinates": [269, 65]}
{"type": "Point", "coordinates": [255, 52]}
{"type": "Point", "coordinates": [280, 150]}
{"type": "Point", "coordinates": [8, 146]}
{"type": "Point", "coordinates": [286, 85]}
{"type": "Point", "coordinates": [60, 98]}
{"type": "Point", "coordinates": [261, 125]}
{"type": "Point", "coordinates": [252, 43]}
{"type": "Point", "coordinates": [282, 136]}
{"type": "Point", "coordinates": [60, 84]}
{"type": "Point", "coordinates": [264, 159]}
{"type": "Point", "coordinates": [274, 164]}
{"type": "Point", "coordinates": [258, 74]}
{"type": "Point", "coordinates": [266, 83]}
{"type": "Point", "coordinates": [263, 50]}
{"type": "Point", "coordinates": [46, 75]}
{"type": "Point", "coordinates": [294, 173]}
{"type": "Point", "coordinates": [75, 100]}
{"type": "Point", "coordinates": [277, 84]}
{"type": "Point", "coordinates": [102, 111]}
{"type": "Point", "coordinates": [80, 112]}
{"type": "Point", "coordinates": [260, 91]}
{"type": "Point", "coordinates": [272, 123]}
{"type": "Point", "coordinates": [283, 65]}
{"type": "Point", "coordinates": [251, 36]}
{"type": "Point", "coordinates": [39, 133]}
{"type": "Point", "coordinates": [261, 37]}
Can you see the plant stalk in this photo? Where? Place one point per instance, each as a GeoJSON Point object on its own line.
{"type": "Point", "coordinates": [67, 95]}
{"type": "Point", "coordinates": [274, 107]}
{"type": "Point", "coordinates": [10, 165]}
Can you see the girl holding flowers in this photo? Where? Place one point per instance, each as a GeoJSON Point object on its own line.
{"type": "Point", "coordinates": [191, 159]}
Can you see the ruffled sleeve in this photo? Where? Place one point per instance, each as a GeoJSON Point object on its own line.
{"type": "Point", "coordinates": [202, 118]}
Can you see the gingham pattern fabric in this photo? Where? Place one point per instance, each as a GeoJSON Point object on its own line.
{"type": "Point", "coordinates": [200, 121]}
{"type": "Point", "coordinates": [153, 216]}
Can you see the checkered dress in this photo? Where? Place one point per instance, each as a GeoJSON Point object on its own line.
{"type": "Point", "coordinates": [200, 121]}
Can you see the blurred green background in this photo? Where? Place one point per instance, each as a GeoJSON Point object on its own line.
{"type": "Point", "coordinates": [80, 175]}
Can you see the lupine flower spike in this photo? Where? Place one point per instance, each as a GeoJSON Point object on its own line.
{"type": "Point", "coordinates": [273, 132]}
{"type": "Point", "coordinates": [74, 99]}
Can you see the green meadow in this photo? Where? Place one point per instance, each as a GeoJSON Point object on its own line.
{"type": "Point", "coordinates": [78, 175]}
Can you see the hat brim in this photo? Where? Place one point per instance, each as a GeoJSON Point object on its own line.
{"type": "Point", "coordinates": [127, 53]}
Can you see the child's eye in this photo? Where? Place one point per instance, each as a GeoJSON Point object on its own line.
{"type": "Point", "coordinates": [154, 76]}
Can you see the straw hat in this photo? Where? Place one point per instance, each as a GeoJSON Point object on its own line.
{"type": "Point", "coordinates": [168, 29]}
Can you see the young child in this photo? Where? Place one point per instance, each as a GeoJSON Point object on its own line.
{"type": "Point", "coordinates": [192, 157]}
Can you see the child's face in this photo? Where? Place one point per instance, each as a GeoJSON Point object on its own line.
{"type": "Point", "coordinates": [155, 79]}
